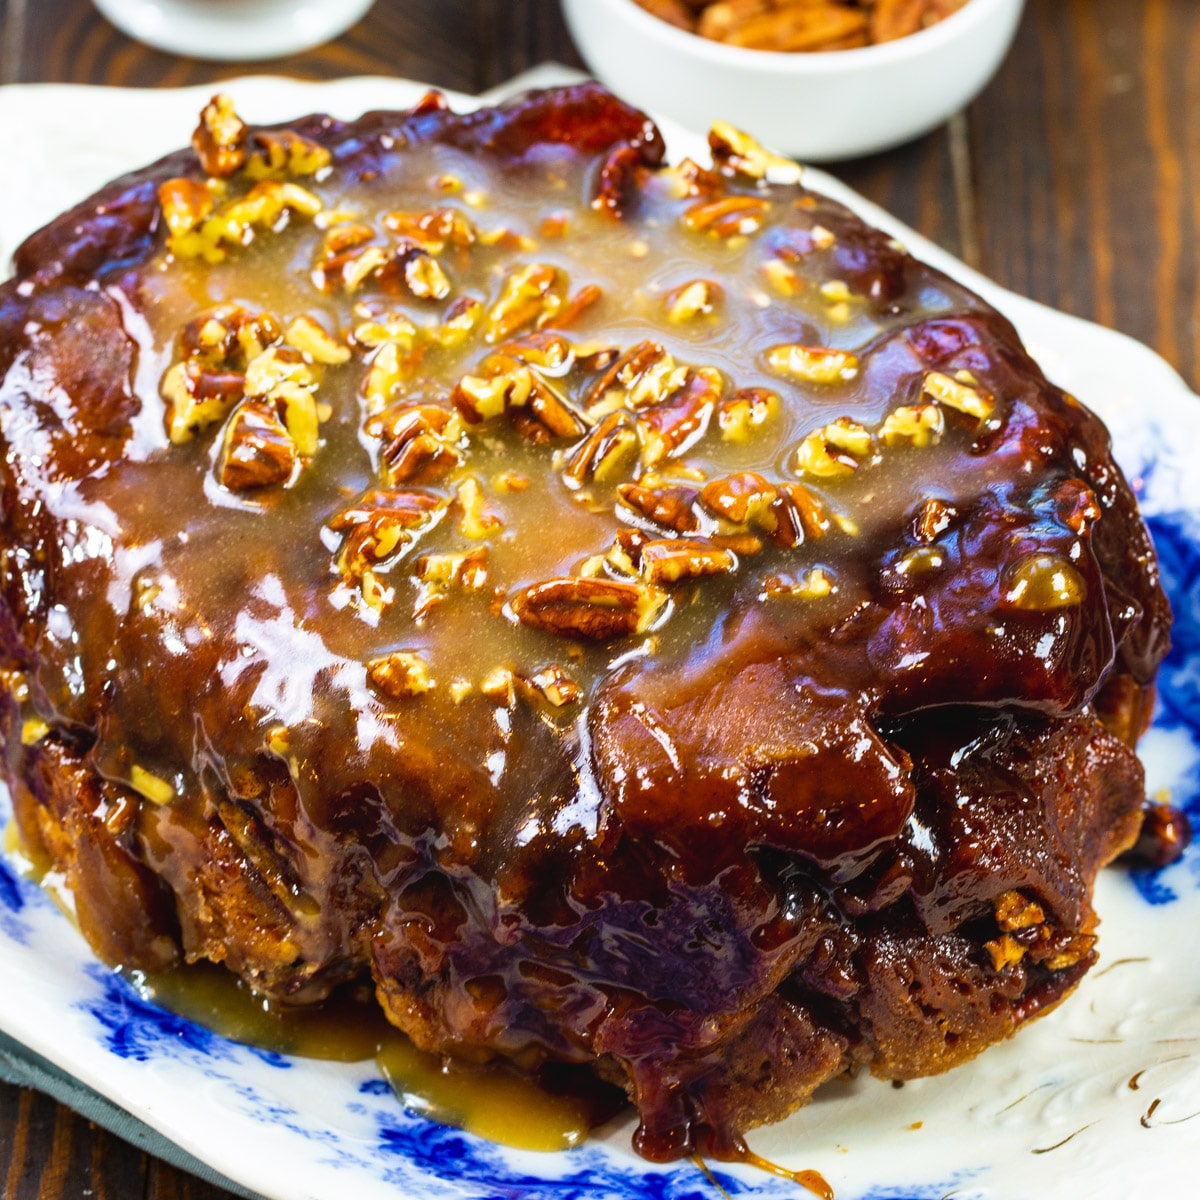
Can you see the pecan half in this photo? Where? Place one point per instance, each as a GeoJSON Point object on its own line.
{"type": "Point", "coordinates": [591, 609]}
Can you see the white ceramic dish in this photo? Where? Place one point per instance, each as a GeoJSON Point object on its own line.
{"type": "Point", "coordinates": [1094, 1101]}
{"type": "Point", "coordinates": [816, 106]}
{"type": "Point", "coordinates": [233, 30]}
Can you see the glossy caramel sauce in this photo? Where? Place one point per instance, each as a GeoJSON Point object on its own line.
{"type": "Point", "coordinates": [491, 1100]}
{"type": "Point", "coordinates": [621, 607]}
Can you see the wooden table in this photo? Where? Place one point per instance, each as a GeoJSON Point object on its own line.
{"type": "Point", "coordinates": [1075, 179]}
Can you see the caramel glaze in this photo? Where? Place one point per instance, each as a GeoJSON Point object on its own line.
{"type": "Point", "coordinates": [769, 842]}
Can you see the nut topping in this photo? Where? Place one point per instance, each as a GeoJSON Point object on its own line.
{"type": "Point", "coordinates": [675, 559]}
{"type": "Point", "coordinates": [258, 451]}
{"type": "Point", "coordinates": [742, 155]}
{"type": "Point", "coordinates": [727, 216]}
{"type": "Point", "coordinates": [606, 450]}
{"type": "Point", "coordinates": [741, 498]}
{"type": "Point", "coordinates": [834, 450]}
{"type": "Point", "coordinates": [961, 394]}
{"type": "Point", "coordinates": [399, 674]}
{"type": "Point", "coordinates": [590, 609]}
{"type": "Point", "coordinates": [220, 138]}
{"type": "Point", "coordinates": [699, 298]}
{"type": "Point", "coordinates": [813, 364]}
{"type": "Point", "coordinates": [556, 686]}
{"type": "Point", "coordinates": [527, 294]}
{"type": "Point", "coordinates": [913, 425]}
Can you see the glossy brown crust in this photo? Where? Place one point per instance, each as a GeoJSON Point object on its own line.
{"type": "Point", "coordinates": [792, 850]}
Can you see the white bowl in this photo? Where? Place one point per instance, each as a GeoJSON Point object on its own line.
{"type": "Point", "coordinates": [233, 30]}
{"type": "Point", "coordinates": [818, 106]}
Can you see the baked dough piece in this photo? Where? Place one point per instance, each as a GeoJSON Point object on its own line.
{"type": "Point", "coordinates": [638, 614]}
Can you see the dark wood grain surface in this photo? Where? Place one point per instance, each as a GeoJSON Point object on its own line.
{"type": "Point", "coordinates": [1074, 179]}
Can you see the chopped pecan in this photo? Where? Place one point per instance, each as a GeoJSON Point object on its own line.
{"type": "Point", "coordinates": [671, 426]}
{"type": "Point", "coordinates": [421, 273]}
{"type": "Point", "coordinates": [432, 231]}
{"type": "Point", "coordinates": [572, 310]}
{"type": "Point", "coordinates": [961, 393]}
{"type": "Point", "coordinates": [389, 366]}
{"type": "Point", "coordinates": [673, 559]}
{"type": "Point", "coordinates": [814, 584]}
{"type": "Point", "coordinates": [1015, 911]}
{"type": "Point", "coordinates": [555, 685]}
{"type": "Point", "coordinates": [551, 353]}
{"type": "Point", "coordinates": [741, 498]}
{"type": "Point", "coordinates": [198, 396]}
{"type": "Point", "coordinates": [934, 518]}
{"type": "Point", "coordinates": [813, 364]}
{"type": "Point", "coordinates": [605, 450]}
{"type": "Point", "coordinates": [796, 516]}
{"type": "Point", "coordinates": [667, 507]}
{"type": "Point", "coordinates": [745, 412]}
{"type": "Point", "coordinates": [555, 415]}
{"type": "Point", "coordinates": [482, 399]}
{"type": "Point", "coordinates": [913, 425]}
{"type": "Point", "coordinates": [305, 335]}
{"type": "Point", "coordinates": [186, 204]}
{"type": "Point", "coordinates": [220, 139]}
{"type": "Point", "coordinates": [285, 152]}
{"type": "Point", "coordinates": [591, 609]}
{"type": "Point", "coordinates": [742, 155]}
{"type": "Point", "coordinates": [784, 278]}
{"type": "Point", "coordinates": [700, 298]}
{"type": "Point", "coordinates": [836, 449]}
{"type": "Point", "coordinates": [257, 450]}
{"type": "Point", "coordinates": [643, 375]}
{"type": "Point", "coordinates": [384, 328]}
{"type": "Point", "coordinates": [475, 522]}
{"type": "Point", "coordinates": [349, 269]}
{"type": "Point", "coordinates": [423, 442]}
{"type": "Point", "coordinates": [399, 674]}
{"type": "Point", "coordinates": [439, 574]}
{"type": "Point", "coordinates": [459, 322]}
{"type": "Point", "coordinates": [383, 525]}
{"type": "Point", "coordinates": [727, 216]}
{"type": "Point", "coordinates": [527, 294]}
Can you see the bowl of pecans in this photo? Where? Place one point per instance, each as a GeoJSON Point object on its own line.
{"type": "Point", "coordinates": [819, 79]}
